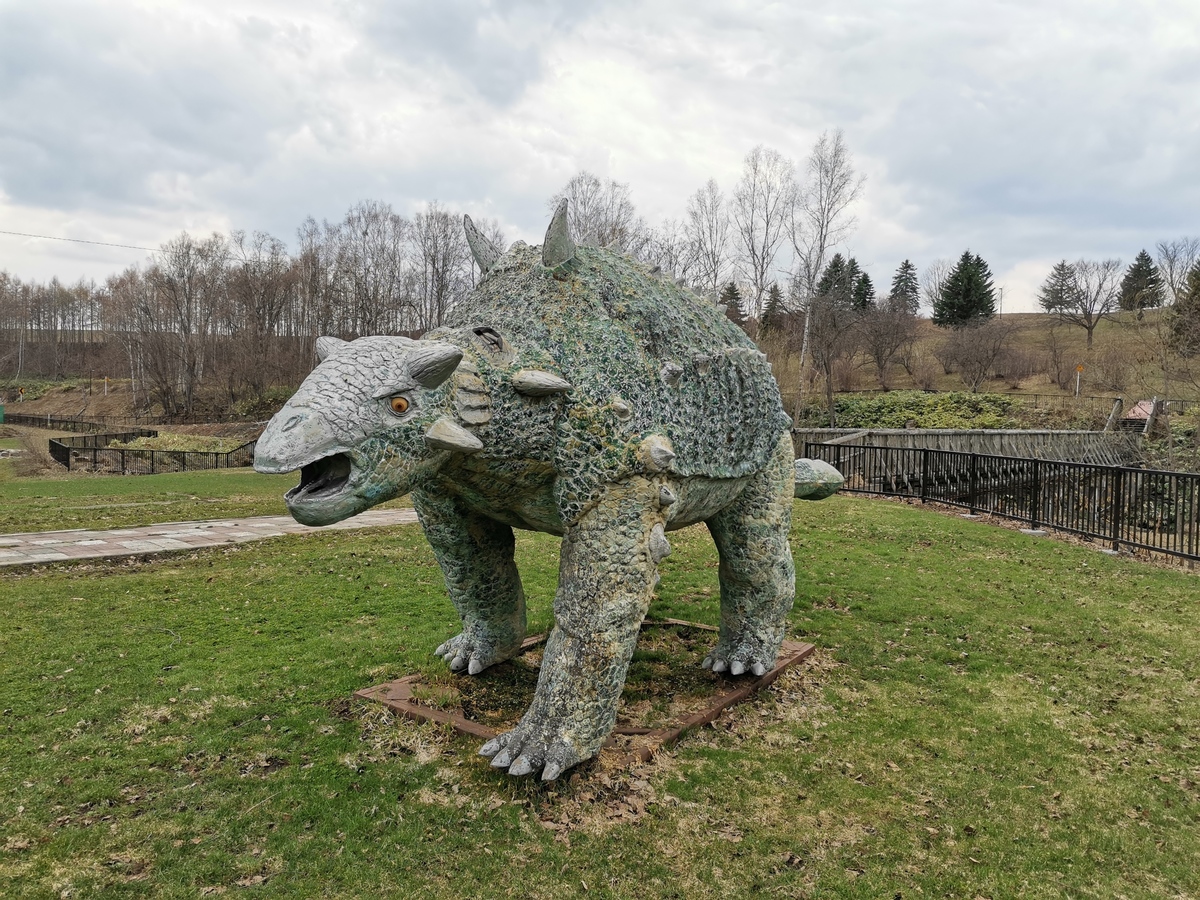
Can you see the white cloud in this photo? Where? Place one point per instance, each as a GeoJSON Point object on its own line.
{"type": "Point", "coordinates": [1026, 131]}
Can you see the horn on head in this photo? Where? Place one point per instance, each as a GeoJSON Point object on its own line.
{"type": "Point", "coordinates": [485, 252]}
{"type": "Point", "coordinates": [432, 362]}
{"type": "Point", "coordinates": [558, 247]}
{"type": "Point", "coordinates": [326, 345]}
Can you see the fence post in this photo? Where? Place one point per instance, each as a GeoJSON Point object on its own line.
{"type": "Point", "coordinates": [1035, 501]}
{"type": "Point", "coordinates": [153, 453]}
{"type": "Point", "coordinates": [1118, 507]}
{"type": "Point", "coordinates": [924, 473]}
{"type": "Point", "coordinates": [837, 458]}
{"type": "Point", "coordinates": [974, 482]}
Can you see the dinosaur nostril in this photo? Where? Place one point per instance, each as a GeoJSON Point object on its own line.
{"type": "Point", "coordinates": [293, 422]}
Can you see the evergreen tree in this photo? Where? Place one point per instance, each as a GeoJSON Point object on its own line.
{"type": "Point", "coordinates": [731, 299]}
{"type": "Point", "coordinates": [863, 293]}
{"type": "Point", "coordinates": [833, 279]}
{"type": "Point", "coordinates": [772, 316]}
{"type": "Point", "coordinates": [1185, 316]}
{"type": "Point", "coordinates": [905, 295]}
{"type": "Point", "coordinates": [1142, 286]}
{"type": "Point", "coordinates": [1058, 290]}
{"type": "Point", "coordinates": [842, 280]}
{"type": "Point", "coordinates": [967, 296]}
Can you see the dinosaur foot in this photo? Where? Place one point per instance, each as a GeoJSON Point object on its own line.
{"type": "Point", "coordinates": [740, 658]}
{"type": "Point", "coordinates": [524, 752]}
{"type": "Point", "coordinates": [474, 655]}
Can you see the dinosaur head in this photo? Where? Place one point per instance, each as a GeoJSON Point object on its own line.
{"type": "Point", "coordinates": [365, 425]}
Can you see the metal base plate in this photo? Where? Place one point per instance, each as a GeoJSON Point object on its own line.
{"type": "Point", "coordinates": [641, 743]}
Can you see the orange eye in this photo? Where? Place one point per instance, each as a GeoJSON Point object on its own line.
{"type": "Point", "coordinates": [399, 405]}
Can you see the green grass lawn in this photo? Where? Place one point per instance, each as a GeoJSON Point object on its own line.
{"type": "Point", "coordinates": [114, 501]}
{"type": "Point", "coordinates": [989, 714]}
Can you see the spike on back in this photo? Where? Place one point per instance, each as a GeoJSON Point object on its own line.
{"type": "Point", "coordinates": [485, 252]}
{"type": "Point", "coordinates": [558, 247]}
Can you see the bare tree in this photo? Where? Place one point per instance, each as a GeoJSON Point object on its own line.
{"type": "Point", "coordinates": [1090, 291]}
{"type": "Point", "coordinates": [884, 331]}
{"type": "Point", "coordinates": [707, 230]}
{"type": "Point", "coordinates": [600, 213]}
{"type": "Point", "coordinates": [831, 325]}
{"type": "Point", "coordinates": [933, 279]}
{"type": "Point", "coordinates": [443, 263]}
{"type": "Point", "coordinates": [1174, 260]}
{"type": "Point", "coordinates": [371, 262]}
{"type": "Point", "coordinates": [261, 286]}
{"type": "Point", "coordinates": [762, 203]}
{"type": "Point", "coordinates": [974, 350]}
{"type": "Point", "coordinates": [178, 316]}
{"type": "Point", "coordinates": [820, 218]}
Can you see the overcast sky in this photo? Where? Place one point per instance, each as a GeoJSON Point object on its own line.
{"type": "Point", "coordinates": [1026, 131]}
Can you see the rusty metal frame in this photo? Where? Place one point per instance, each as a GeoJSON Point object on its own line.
{"type": "Point", "coordinates": [398, 696]}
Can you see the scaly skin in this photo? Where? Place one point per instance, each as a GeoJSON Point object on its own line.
{"type": "Point", "coordinates": [571, 393]}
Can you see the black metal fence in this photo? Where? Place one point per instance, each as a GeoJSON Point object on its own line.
{"type": "Point", "coordinates": [1124, 506]}
{"type": "Point", "coordinates": [91, 452]}
{"type": "Point", "coordinates": [100, 423]}
{"type": "Point", "coordinates": [57, 423]}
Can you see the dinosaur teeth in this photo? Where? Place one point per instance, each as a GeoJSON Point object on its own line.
{"type": "Point", "coordinates": [445, 434]}
{"type": "Point", "coordinates": [535, 383]}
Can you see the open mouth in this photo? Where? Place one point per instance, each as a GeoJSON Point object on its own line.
{"type": "Point", "coordinates": [322, 478]}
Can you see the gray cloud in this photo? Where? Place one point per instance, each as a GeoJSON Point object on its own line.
{"type": "Point", "coordinates": [1027, 131]}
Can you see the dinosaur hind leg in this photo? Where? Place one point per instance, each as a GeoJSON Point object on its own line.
{"type": "Point", "coordinates": [757, 574]}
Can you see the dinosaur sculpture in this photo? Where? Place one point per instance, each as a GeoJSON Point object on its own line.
{"type": "Point", "coordinates": [572, 393]}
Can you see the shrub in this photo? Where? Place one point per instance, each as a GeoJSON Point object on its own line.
{"type": "Point", "coordinates": [950, 410]}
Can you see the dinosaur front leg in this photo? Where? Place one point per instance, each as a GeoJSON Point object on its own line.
{"type": "Point", "coordinates": [476, 556]}
{"type": "Point", "coordinates": [757, 574]}
{"type": "Point", "coordinates": [605, 584]}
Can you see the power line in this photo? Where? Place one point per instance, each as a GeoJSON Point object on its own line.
{"type": "Point", "coordinates": [79, 241]}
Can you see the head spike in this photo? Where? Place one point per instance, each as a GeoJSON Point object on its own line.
{"type": "Point", "coordinates": [485, 252]}
{"type": "Point", "coordinates": [558, 247]}
{"type": "Point", "coordinates": [432, 362]}
{"type": "Point", "coordinates": [327, 345]}
{"type": "Point", "coordinates": [446, 434]}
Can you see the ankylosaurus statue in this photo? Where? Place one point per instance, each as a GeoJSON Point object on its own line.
{"type": "Point", "coordinates": [574, 393]}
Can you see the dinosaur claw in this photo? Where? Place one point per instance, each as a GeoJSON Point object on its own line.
{"type": "Point", "coordinates": [503, 759]}
{"type": "Point", "coordinates": [442, 650]}
{"type": "Point", "coordinates": [491, 748]}
{"type": "Point", "coordinates": [474, 667]}
{"type": "Point", "coordinates": [522, 766]}
{"type": "Point", "coordinates": [758, 669]}
{"type": "Point", "coordinates": [737, 668]}
{"type": "Point", "coordinates": [719, 666]}
{"type": "Point", "coordinates": [707, 664]}
{"type": "Point", "coordinates": [458, 663]}
{"type": "Point", "coordinates": [551, 771]}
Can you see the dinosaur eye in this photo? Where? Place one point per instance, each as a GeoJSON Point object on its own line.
{"type": "Point", "coordinates": [399, 405]}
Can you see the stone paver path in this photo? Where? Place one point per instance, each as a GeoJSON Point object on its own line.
{"type": "Point", "coordinates": [54, 546]}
